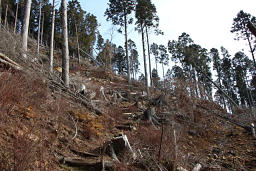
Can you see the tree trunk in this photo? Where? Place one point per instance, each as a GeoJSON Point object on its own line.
{"type": "Point", "coordinates": [0, 14]}
{"type": "Point", "coordinates": [39, 27]}
{"type": "Point", "coordinates": [163, 69]}
{"type": "Point", "coordinates": [144, 58]}
{"type": "Point", "coordinates": [163, 74]}
{"type": "Point", "coordinates": [126, 49]}
{"type": "Point", "coordinates": [161, 141]}
{"type": "Point", "coordinates": [149, 60]}
{"type": "Point", "coordinates": [250, 45]}
{"type": "Point", "coordinates": [16, 16]}
{"type": "Point", "coordinates": [52, 36]}
{"type": "Point", "coordinates": [219, 78]}
{"type": "Point", "coordinates": [196, 83]}
{"type": "Point", "coordinates": [25, 29]}
{"type": "Point", "coordinates": [65, 50]}
{"type": "Point", "coordinates": [5, 18]}
{"type": "Point", "coordinates": [156, 63]}
{"type": "Point", "coordinates": [42, 30]}
{"type": "Point", "coordinates": [110, 57]}
{"type": "Point", "coordinates": [78, 49]}
{"type": "Point", "coordinates": [132, 64]}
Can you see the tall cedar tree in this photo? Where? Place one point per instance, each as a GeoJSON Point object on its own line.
{"type": "Point", "coordinates": [228, 76]}
{"type": "Point", "coordinates": [178, 51]}
{"type": "Point", "coordinates": [52, 36]}
{"type": "Point", "coordinates": [65, 50]}
{"type": "Point", "coordinates": [240, 63]}
{"type": "Point", "coordinates": [214, 54]}
{"type": "Point", "coordinates": [118, 12]}
{"type": "Point", "coordinates": [154, 23]}
{"type": "Point", "coordinates": [239, 27]}
{"type": "Point", "coordinates": [145, 13]}
{"type": "Point", "coordinates": [155, 51]}
{"type": "Point", "coordinates": [133, 57]}
{"type": "Point", "coordinates": [163, 58]}
{"type": "Point", "coordinates": [25, 29]}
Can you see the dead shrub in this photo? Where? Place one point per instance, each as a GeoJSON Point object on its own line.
{"type": "Point", "coordinates": [10, 44]}
{"type": "Point", "coordinates": [17, 89]}
{"type": "Point", "coordinates": [24, 151]}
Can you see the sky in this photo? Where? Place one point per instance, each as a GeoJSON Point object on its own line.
{"type": "Point", "coordinates": [207, 22]}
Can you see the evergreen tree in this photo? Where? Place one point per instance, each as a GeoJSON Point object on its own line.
{"type": "Point", "coordinates": [119, 60]}
{"type": "Point", "coordinates": [134, 61]}
{"type": "Point", "coordinates": [214, 53]}
{"type": "Point", "coordinates": [228, 79]}
{"type": "Point", "coordinates": [100, 42]}
{"type": "Point", "coordinates": [118, 12]}
{"type": "Point", "coordinates": [155, 78]}
{"type": "Point", "coordinates": [177, 72]}
{"type": "Point", "coordinates": [242, 32]}
{"type": "Point", "coordinates": [163, 57]}
{"type": "Point", "coordinates": [153, 23]}
{"type": "Point", "coordinates": [181, 52]}
{"type": "Point", "coordinates": [240, 64]}
{"type": "Point", "coordinates": [75, 26]}
{"type": "Point", "coordinates": [155, 51]}
{"type": "Point", "coordinates": [145, 13]}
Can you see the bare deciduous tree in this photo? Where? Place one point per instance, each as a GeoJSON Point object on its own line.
{"type": "Point", "coordinates": [25, 28]}
{"type": "Point", "coordinates": [65, 51]}
{"type": "Point", "coordinates": [52, 36]}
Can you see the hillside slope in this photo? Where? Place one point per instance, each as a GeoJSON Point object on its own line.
{"type": "Point", "coordinates": [46, 126]}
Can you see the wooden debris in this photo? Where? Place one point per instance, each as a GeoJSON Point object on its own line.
{"type": "Point", "coordinates": [83, 154]}
{"type": "Point", "coordinates": [150, 115]}
{"type": "Point", "coordinates": [197, 167]}
{"type": "Point", "coordinates": [79, 97]}
{"type": "Point", "coordinates": [7, 61]}
{"type": "Point", "coordinates": [103, 94]}
{"type": "Point", "coordinates": [117, 145]}
{"type": "Point", "coordinates": [159, 101]}
{"type": "Point", "coordinates": [126, 126]}
{"type": "Point", "coordinates": [96, 164]}
{"type": "Point", "coordinates": [253, 129]}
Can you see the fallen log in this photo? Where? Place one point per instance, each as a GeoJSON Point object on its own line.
{"type": "Point", "coordinates": [83, 154]}
{"type": "Point", "coordinates": [7, 61]}
{"type": "Point", "coordinates": [82, 99]}
{"type": "Point", "coordinates": [126, 127]}
{"type": "Point", "coordinates": [96, 164]}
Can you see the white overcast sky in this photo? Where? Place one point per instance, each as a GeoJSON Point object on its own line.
{"type": "Point", "coordinates": [208, 22]}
